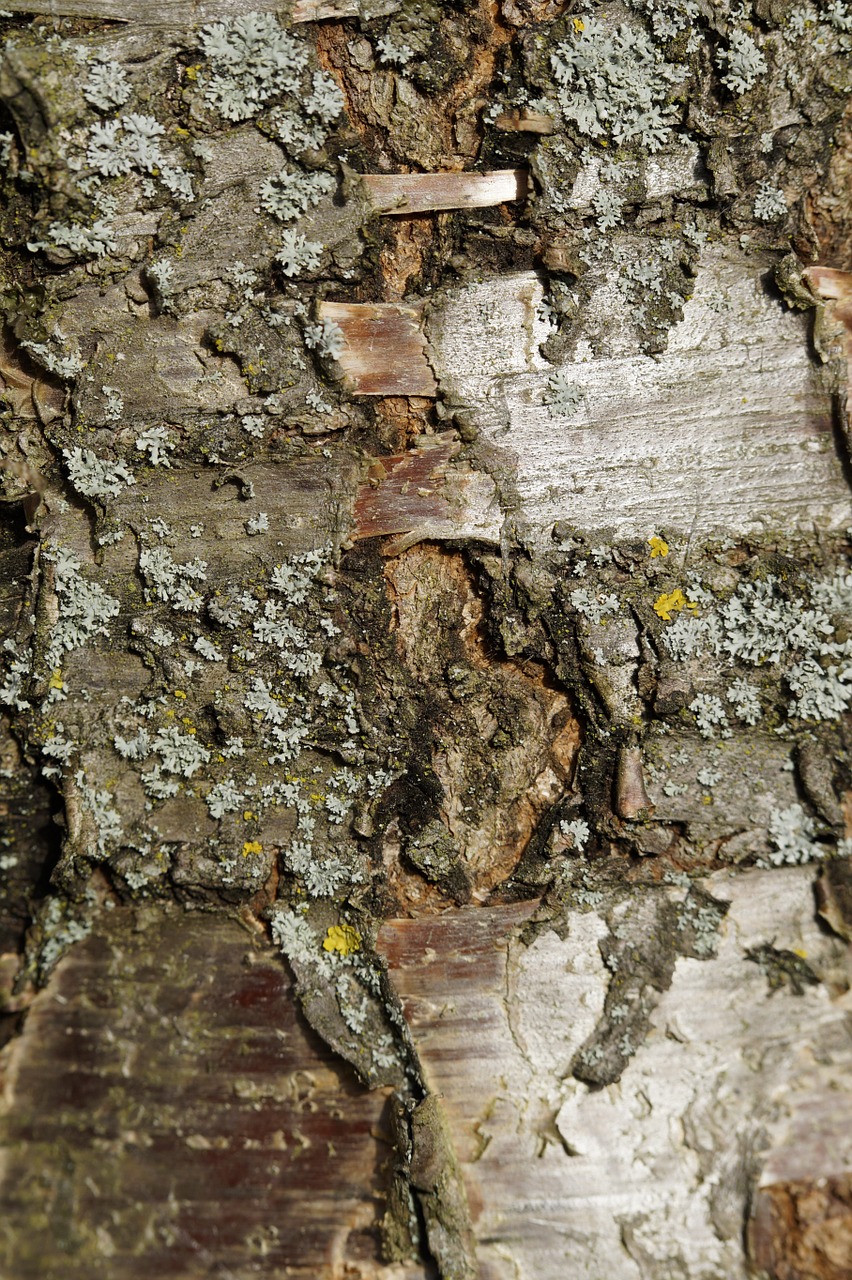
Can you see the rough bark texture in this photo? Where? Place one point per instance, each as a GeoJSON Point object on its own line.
{"type": "Point", "coordinates": [428, 640]}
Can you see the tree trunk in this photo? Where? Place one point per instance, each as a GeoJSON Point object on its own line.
{"type": "Point", "coordinates": [427, 612]}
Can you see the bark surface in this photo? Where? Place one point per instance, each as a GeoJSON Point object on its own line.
{"type": "Point", "coordinates": [427, 618]}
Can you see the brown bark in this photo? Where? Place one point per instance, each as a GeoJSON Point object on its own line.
{"type": "Point", "coordinates": [425, 559]}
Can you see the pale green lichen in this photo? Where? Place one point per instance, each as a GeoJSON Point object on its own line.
{"type": "Point", "coordinates": [84, 609]}
{"type": "Point", "coordinates": [613, 82]}
{"type": "Point", "coordinates": [770, 203]}
{"type": "Point", "coordinates": [292, 193]}
{"type": "Point", "coordinates": [96, 477]}
{"type": "Point", "coordinates": [297, 255]}
{"type": "Point", "coordinates": [251, 60]}
{"type": "Point", "coordinates": [563, 396]}
{"type": "Point", "coordinates": [742, 62]}
{"type": "Point", "coordinates": [106, 85]}
{"type": "Point", "coordinates": [791, 833]}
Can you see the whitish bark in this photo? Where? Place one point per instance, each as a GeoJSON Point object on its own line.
{"type": "Point", "coordinates": [426, 585]}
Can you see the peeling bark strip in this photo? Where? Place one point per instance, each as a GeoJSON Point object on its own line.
{"type": "Point", "coordinates": [385, 351]}
{"type": "Point", "coordinates": [155, 13]}
{"type": "Point", "coordinates": [636, 444]}
{"type": "Point", "coordinates": [525, 121]}
{"type": "Point", "coordinates": [316, 10]}
{"type": "Point", "coordinates": [423, 492]}
{"type": "Point", "coordinates": [422, 192]}
{"type": "Point", "coordinates": [206, 1125]}
{"type": "Point", "coordinates": [631, 798]}
{"type": "Point", "coordinates": [836, 288]}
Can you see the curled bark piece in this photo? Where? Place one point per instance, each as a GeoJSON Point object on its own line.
{"type": "Point", "coordinates": [834, 896]}
{"type": "Point", "coordinates": [631, 798]}
{"type": "Point", "coordinates": [315, 10]}
{"type": "Point", "coordinates": [524, 122]}
{"type": "Point", "coordinates": [425, 488]}
{"type": "Point", "coordinates": [835, 288]}
{"type": "Point", "coordinates": [399, 193]}
{"type": "Point", "coordinates": [385, 351]}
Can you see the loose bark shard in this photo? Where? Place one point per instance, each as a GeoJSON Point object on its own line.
{"type": "Point", "coordinates": [834, 896]}
{"type": "Point", "coordinates": [404, 491]}
{"type": "Point", "coordinates": [525, 121]}
{"type": "Point", "coordinates": [26, 387]}
{"type": "Point", "coordinates": [315, 10]}
{"type": "Point", "coordinates": [385, 352]}
{"type": "Point", "coordinates": [421, 192]}
{"type": "Point", "coordinates": [631, 798]}
{"type": "Point", "coordinates": [423, 490]}
{"type": "Point", "coordinates": [836, 288]}
{"type": "Point", "coordinates": [836, 285]}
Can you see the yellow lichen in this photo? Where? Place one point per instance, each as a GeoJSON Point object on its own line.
{"type": "Point", "coordinates": [179, 693]}
{"type": "Point", "coordinates": [56, 681]}
{"type": "Point", "coordinates": [672, 602]}
{"type": "Point", "coordinates": [342, 938]}
{"type": "Point", "coordinates": [579, 25]}
{"type": "Point", "coordinates": [252, 846]}
{"type": "Point", "coordinates": [658, 547]}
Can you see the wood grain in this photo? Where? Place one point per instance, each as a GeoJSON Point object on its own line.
{"type": "Point", "coordinates": [316, 10]}
{"type": "Point", "coordinates": [152, 13]}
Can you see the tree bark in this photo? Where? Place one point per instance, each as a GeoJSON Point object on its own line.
{"type": "Point", "coordinates": [427, 612]}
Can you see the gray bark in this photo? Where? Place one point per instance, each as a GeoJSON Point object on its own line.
{"type": "Point", "coordinates": [427, 604]}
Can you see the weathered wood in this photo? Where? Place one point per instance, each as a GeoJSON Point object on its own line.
{"type": "Point", "coordinates": [525, 121]}
{"type": "Point", "coordinates": [382, 644]}
{"type": "Point", "coordinates": [317, 10]}
{"type": "Point", "coordinates": [804, 1228]}
{"type": "Point", "coordinates": [398, 193]}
